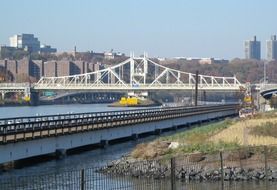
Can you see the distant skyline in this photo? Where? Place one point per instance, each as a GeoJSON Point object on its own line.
{"type": "Point", "coordinates": [213, 28]}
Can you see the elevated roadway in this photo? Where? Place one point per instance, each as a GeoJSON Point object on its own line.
{"type": "Point", "coordinates": [25, 137]}
{"type": "Point", "coordinates": [268, 90]}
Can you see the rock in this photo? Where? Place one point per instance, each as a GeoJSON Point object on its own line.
{"type": "Point", "coordinates": [159, 170]}
{"type": "Point", "coordinates": [197, 177]}
{"type": "Point", "coordinates": [261, 176]}
{"type": "Point", "coordinates": [274, 175]}
{"type": "Point", "coordinates": [193, 173]}
{"type": "Point", "coordinates": [187, 177]}
{"type": "Point", "coordinates": [173, 145]}
{"type": "Point", "coordinates": [216, 172]}
{"type": "Point", "coordinates": [203, 177]}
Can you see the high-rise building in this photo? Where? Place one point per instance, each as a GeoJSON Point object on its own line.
{"type": "Point", "coordinates": [25, 41]}
{"type": "Point", "coordinates": [252, 49]}
{"type": "Point", "coordinates": [271, 48]}
{"type": "Point", "coordinates": [47, 49]}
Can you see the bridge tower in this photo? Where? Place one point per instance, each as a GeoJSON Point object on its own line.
{"type": "Point", "coordinates": [138, 69]}
{"type": "Point", "coordinates": [138, 74]}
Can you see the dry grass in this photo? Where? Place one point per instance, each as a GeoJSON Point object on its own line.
{"type": "Point", "coordinates": [150, 150]}
{"type": "Point", "coordinates": [241, 132]}
{"type": "Point", "coordinates": [268, 129]}
{"type": "Point", "coordinates": [193, 140]}
{"type": "Point", "coordinates": [267, 115]}
{"type": "Point", "coordinates": [198, 135]}
{"type": "Point", "coordinates": [226, 135]}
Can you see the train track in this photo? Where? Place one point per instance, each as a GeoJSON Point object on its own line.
{"type": "Point", "coordinates": [18, 129]}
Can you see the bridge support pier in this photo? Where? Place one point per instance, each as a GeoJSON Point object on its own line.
{"type": "Point", "coordinates": [200, 122]}
{"type": "Point", "coordinates": [3, 96]}
{"type": "Point", "coordinates": [104, 143]}
{"type": "Point", "coordinates": [7, 166]}
{"type": "Point", "coordinates": [60, 153]}
{"type": "Point", "coordinates": [135, 136]}
{"type": "Point", "coordinates": [157, 131]}
{"type": "Point", "coordinates": [34, 98]}
{"type": "Point", "coordinates": [174, 127]}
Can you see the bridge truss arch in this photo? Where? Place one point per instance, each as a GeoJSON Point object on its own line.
{"type": "Point", "coordinates": [137, 74]}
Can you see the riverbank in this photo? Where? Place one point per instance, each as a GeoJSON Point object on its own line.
{"type": "Point", "coordinates": [239, 165]}
{"type": "Point", "coordinates": [239, 145]}
{"type": "Point", "coordinates": [225, 135]}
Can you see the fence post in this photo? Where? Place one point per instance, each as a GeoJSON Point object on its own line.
{"type": "Point", "coordinates": [222, 170]}
{"type": "Point", "coordinates": [240, 161]}
{"type": "Point", "coordinates": [266, 165]}
{"type": "Point", "coordinates": [82, 179]}
{"type": "Point", "coordinates": [172, 174]}
{"type": "Point", "coordinates": [56, 183]}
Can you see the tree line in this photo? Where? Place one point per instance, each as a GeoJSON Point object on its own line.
{"type": "Point", "coordinates": [246, 70]}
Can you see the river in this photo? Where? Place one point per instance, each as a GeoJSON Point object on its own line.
{"type": "Point", "coordinates": [93, 158]}
{"type": "Point", "coordinates": [24, 111]}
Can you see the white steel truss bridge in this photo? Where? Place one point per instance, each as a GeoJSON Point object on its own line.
{"type": "Point", "coordinates": [138, 74]}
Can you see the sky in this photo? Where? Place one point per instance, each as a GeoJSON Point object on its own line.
{"type": "Point", "coordinates": [162, 28]}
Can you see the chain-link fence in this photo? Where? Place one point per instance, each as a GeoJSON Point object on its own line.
{"type": "Point", "coordinates": [244, 168]}
{"type": "Point", "coordinates": [239, 169]}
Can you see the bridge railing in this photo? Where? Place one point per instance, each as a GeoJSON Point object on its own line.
{"type": "Point", "coordinates": [11, 85]}
{"type": "Point", "coordinates": [135, 87]}
{"type": "Point", "coordinates": [267, 86]}
{"type": "Point", "coordinates": [14, 129]}
{"type": "Point", "coordinates": [14, 120]}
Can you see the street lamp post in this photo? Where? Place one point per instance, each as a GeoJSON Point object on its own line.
{"type": "Point", "coordinates": [264, 83]}
{"type": "Point", "coordinates": [265, 62]}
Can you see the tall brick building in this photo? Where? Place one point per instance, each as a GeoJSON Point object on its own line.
{"type": "Point", "coordinates": [35, 69]}
{"type": "Point", "coordinates": [25, 68]}
{"type": "Point", "coordinates": [50, 69]}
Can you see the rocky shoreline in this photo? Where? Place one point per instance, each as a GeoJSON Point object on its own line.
{"type": "Point", "coordinates": [159, 169]}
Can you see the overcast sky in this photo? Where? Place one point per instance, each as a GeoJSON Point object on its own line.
{"type": "Point", "coordinates": [164, 28]}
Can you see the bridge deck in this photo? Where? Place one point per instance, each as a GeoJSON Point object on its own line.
{"type": "Point", "coordinates": [28, 128]}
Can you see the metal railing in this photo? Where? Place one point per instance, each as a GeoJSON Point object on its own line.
{"type": "Point", "coordinates": [28, 128]}
{"type": "Point", "coordinates": [265, 86]}
{"type": "Point", "coordinates": [13, 85]}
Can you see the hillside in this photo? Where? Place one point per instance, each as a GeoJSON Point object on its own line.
{"type": "Point", "coordinates": [244, 70]}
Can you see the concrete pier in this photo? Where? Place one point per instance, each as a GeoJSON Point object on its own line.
{"type": "Point", "coordinates": [60, 153]}
{"type": "Point", "coordinates": [104, 143]}
{"type": "Point", "coordinates": [135, 136]}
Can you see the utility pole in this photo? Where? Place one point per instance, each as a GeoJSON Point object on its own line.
{"type": "Point", "coordinates": [264, 72]}
{"type": "Point", "coordinates": [196, 89]}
